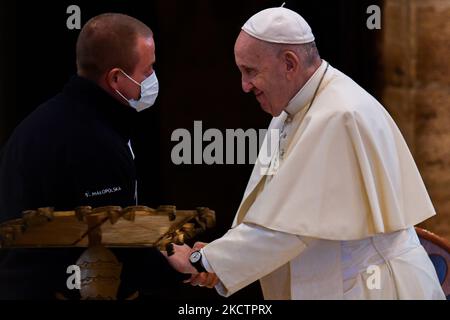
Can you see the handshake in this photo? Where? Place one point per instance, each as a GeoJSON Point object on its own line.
{"type": "Point", "coordinates": [179, 258]}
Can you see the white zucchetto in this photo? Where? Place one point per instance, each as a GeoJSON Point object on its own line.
{"type": "Point", "coordinates": [279, 25]}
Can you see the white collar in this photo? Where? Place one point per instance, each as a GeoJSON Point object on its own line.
{"type": "Point", "coordinates": [305, 94]}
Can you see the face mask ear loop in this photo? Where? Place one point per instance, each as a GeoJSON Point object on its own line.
{"type": "Point", "coordinates": [126, 75]}
{"type": "Point", "coordinates": [118, 92]}
{"type": "Point", "coordinates": [130, 78]}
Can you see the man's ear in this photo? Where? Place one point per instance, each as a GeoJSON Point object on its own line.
{"type": "Point", "coordinates": [112, 78]}
{"type": "Point", "coordinates": [292, 63]}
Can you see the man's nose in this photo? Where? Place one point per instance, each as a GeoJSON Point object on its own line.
{"type": "Point", "coordinates": [247, 86]}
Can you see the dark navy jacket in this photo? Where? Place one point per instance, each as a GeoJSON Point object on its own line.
{"type": "Point", "coordinates": [71, 151]}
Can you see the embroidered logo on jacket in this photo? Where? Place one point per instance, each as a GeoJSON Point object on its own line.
{"type": "Point", "coordinates": [89, 194]}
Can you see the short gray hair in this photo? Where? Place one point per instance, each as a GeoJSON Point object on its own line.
{"type": "Point", "coordinates": [307, 52]}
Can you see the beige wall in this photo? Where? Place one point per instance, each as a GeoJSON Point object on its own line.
{"type": "Point", "coordinates": [415, 78]}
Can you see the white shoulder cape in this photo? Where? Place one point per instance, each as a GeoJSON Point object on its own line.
{"type": "Point", "coordinates": [347, 173]}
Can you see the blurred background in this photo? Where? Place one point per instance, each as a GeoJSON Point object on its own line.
{"type": "Point", "coordinates": [404, 64]}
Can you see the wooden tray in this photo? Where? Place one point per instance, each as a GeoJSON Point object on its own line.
{"type": "Point", "coordinates": [110, 226]}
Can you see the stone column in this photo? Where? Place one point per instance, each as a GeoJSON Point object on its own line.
{"type": "Point", "coordinates": [415, 50]}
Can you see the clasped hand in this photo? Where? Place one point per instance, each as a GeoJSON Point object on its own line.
{"type": "Point", "coordinates": [179, 260]}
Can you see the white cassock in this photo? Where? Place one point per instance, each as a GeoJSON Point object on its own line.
{"type": "Point", "coordinates": [336, 219]}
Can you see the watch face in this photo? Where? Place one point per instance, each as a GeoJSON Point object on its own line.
{"type": "Point", "coordinates": [195, 256]}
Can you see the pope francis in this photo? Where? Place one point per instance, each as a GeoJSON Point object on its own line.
{"type": "Point", "coordinates": [332, 216]}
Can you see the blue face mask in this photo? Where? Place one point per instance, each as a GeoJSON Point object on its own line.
{"type": "Point", "coordinates": [149, 92]}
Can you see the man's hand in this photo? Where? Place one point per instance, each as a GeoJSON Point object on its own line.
{"type": "Point", "coordinates": [199, 245]}
{"type": "Point", "coordinates": [204, 279]}
{"type": "Point", "coordinates": [179, 260]}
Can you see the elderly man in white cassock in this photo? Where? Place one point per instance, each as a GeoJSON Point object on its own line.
{"type": "Point", "coordinates": [333, 215]}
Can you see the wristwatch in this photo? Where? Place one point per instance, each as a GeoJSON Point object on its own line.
{"type": "Point", "coordinates": [196, 260]}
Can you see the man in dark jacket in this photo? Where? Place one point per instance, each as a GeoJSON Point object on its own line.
{"type": "Point", "coordinates": [75, 150]}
